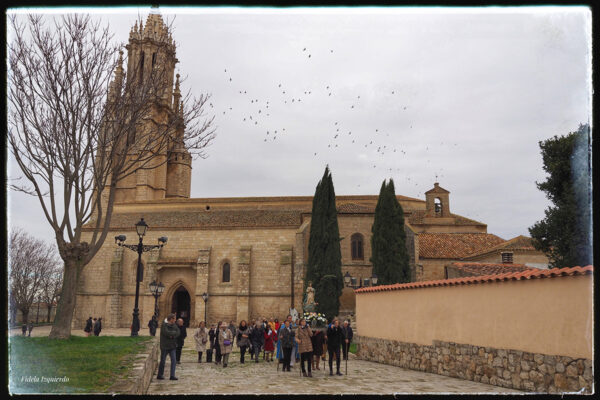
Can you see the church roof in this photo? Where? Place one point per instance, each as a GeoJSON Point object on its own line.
{"type": "Point", "coordinates": [353, 208]}
{"type": "Point", "coordinates": [211, 218]}
{"type": "Point", "coordinates": [520, 243]}
{"type": "Point", "coordinates": [480, 269]}
{"type": "Point", "coordinates": [454, 245]}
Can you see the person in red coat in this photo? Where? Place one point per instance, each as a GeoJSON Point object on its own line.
{"type": "Point", "coordinates": [270, 338]}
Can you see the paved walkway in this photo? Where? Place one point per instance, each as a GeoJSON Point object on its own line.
{"type": "Point", "coordinates": [363, 377]}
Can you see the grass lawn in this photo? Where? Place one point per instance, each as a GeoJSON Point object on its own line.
{"type": "Point", "coordinates": [91, 364]}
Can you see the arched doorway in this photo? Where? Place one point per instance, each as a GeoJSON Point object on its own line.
{"type": "Point", "coordinates": [181, 304]}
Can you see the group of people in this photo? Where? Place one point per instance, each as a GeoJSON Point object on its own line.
{"type": "Point", "coordinates": [27, 327]}
{"type": "Point", "coordinates": [93, 326]}
{"type": "Point", "coordinates": [290, 341]}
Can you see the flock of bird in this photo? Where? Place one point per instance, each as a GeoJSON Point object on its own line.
{"type": "Point", "coordinates": [257, 114]}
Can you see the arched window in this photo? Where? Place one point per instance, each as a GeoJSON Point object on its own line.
{"type": "Point", "coordinates": [226, 272]}
{"type": "Point", "coordinates": [356, 242]}
{"type": "Point", "coordinates": [438, 206]}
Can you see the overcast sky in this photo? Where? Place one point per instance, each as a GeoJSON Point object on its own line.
{"type": "Point", "coordinates": [457, 96]}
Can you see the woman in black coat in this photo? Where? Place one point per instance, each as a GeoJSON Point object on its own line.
{"type": "Point", "coordinates": [317, 344]}
{"type": "Point", "coordinates": [286, 338]}
{"type": "Point", "coordinates": [257, 338]}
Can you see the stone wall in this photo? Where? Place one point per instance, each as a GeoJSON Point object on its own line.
{"type": "Point", "coordinates": [139, 376]}
{"type": "Point", "coordinates": [532, 372]}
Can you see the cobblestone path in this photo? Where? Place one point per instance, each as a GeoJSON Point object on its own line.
{"type": "Point", "coordinates": [363, 377]}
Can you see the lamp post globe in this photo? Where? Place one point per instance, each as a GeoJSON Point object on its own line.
{"type": "Point", "coordinates": [347, 278]}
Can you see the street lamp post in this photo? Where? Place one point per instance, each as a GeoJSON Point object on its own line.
{"type": "Point", "coordinates": [205, 298]}
{"type": "Point", "coordinates": [157, 290]}
{"type": "Point", "coordinates": [140, 228]}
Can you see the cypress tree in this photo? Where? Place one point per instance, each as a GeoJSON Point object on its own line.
{"type": "Point", "coordinates": [324, 267]}
{"type": "Point", "coordinates": [388, 243]}
{"type": "Point", "coordinates": [315, 240]}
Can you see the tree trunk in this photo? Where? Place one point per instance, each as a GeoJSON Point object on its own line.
{"type": "Point", "coordinates": [49, 312]}
{"type": "Point", "coordinates": [25, 315]}
{"type": "Point", "coordinates": [61, 328]}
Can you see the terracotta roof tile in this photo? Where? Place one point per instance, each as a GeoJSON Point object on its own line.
{"type": "Point", "coordinates": [480, 269]}
{"type": "Point", "coordinates": [353, 208]}
{"type": "Point", "coordinates": [516, 276]}
{"type": "Point", "coordinates": [454, 245]}
{"type": "Point", "coordinates": [522, 243]}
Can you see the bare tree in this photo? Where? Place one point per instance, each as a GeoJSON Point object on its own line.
{"type": "Point", "coordinates": [50, 287]}
{"type": "Point", "coordinates": [30, 260]}
{"type": "Point", "coordinates": [75, 133]}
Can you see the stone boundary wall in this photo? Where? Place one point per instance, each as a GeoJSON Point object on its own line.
{"type": "Point", "coordinates": [513, 369]}
{"type": "Point", "coordinates": [139, 376]}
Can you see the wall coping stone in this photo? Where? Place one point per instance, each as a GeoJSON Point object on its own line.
{"type": "Point", "coordinates": [138, 379]}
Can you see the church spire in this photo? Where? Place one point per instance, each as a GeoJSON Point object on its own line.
{"type": "Point", "coordinates": [115, 86]}
{"type": "Point", "coordinates": [176, 95]}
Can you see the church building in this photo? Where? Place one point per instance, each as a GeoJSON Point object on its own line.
{"type": "Point", "coordinates": [248, 254]}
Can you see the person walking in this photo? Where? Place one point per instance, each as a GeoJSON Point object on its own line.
{"type": "Point", "coordinates": [348, 334]}
{"type": "Point", "coordinates": [277, 325]}
{"type": "Point", "coordinates": [335, 337]}
{"type": "Point", "coordinates": [257, 338]}
{"type": "Point", "coordinates": [317, 344]}
{"type": "Point", "coordinates": [217, 345]}
{"type": "Point", "coordinates": [169, 332]}
{"type": "Point", "coordinates": [243, 340]}
{"type": "Point", "coordinates": [225, 342]}
{"type": "Point", "coordinates": [286, 339]}
{"type": "Point", "coordinates": [212, 334]}
{"type": "Point", "coordinates": [201, 338]}
{"type": "Point", "coordinates": [270, 339]}
{"type": "Point", "coordinates": [98, 327]}
{"type": "Point", "coordinates": [152, 325]}
{"type": "Point", "coordinates": [233, 330]}
{"type": "Point", "coordinates": [88, 327]}
{"type": "Point", "coordinates": [305, 348]}
{"type": "Point", "coordinates": [30, 328]}
{"type": "Point", "coordinates": [180, 338]}
{"type": "Point", "coordinates": [24, 329]}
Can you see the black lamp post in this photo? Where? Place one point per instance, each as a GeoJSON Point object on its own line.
{"type": "Point", "coordinates": [205, 298]}
{"type": "Point", "coordinates": [140, 228]}
{"type": "Point", "coordinates": [157, 290]}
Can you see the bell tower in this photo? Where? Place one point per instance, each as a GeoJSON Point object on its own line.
{"type": "Point", "coordinates": [151, 54]}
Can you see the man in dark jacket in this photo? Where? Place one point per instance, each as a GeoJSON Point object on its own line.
{"type": "Point", "coordinates": [348, 334]}
{"type": "Point", "coordinates": [180, 338]}
{"type": "Point", "coordinates": [335, 338]}
{"type": "Point", "coordinates": [212, 333]}
{"type": "Point", "coordinates": [257, 338]}
{"type": "Point", "coordinates": [24, 329]}
{"type": "Point", "coordinates": [169, 332]}
{"type": "Point", "coordinates": [98, 327]}
{"type": "Point", "coordinates": [88, 327]}
{"type": "Point", "coordinates": [152, 325]}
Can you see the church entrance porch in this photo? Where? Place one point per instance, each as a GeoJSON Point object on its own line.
{"type": "Point", "coordinates": [181, 304]}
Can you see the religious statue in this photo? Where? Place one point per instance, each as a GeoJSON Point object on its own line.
{"type": "Point", "coordinates": [309, 301]}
